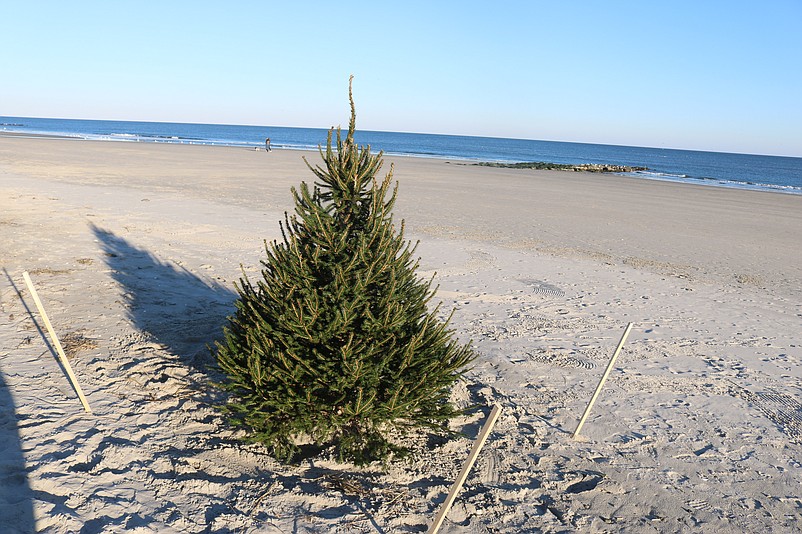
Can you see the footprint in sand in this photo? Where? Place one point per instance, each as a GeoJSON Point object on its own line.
{"type": "Point", "coordinates": [490, 468]}
{"type": "Point", "coordinates": [699, 505]}
{"type": "Point", "coordinates": [588, 481]}
{"type": "Point", "coordinates": [543, 288]}
{"type": "Point", "coordinates": [782, 410]}
{"type": "Point", "coordinates": [567, 361]}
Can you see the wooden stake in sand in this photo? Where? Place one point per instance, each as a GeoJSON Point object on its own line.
{"type": "Point", "coordinates": [603, 379]}
{"type": "Point", "coordinates": [477, 446]}
{"type": "Point", "coordinates": [56, 343]}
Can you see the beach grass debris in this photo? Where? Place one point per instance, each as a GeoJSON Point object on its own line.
{"type": "Point", "coordinates": [75, 342]}
{"type": "Point", "coordinates": [335, 345]}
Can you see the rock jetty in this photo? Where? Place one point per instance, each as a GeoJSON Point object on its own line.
{"type": "Point", "coordinates": [580, 167]}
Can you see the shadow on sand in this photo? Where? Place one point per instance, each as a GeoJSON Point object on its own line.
{"type": "Point", "coordinates": [16, 496]}
{"type": "Point", "coordinates": [176, 308]}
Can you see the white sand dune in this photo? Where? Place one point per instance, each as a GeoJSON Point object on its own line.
{"type": "Point", "coordinates": [134, 249]}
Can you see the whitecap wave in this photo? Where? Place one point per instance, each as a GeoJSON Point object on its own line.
{"type": "Point", "coordinates": [647, 174]}
{"type": "Point", "coordinates": [733, 184]}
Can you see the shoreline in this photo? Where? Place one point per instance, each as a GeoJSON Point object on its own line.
{"type": "Point", "coordinates": [135, 248]}
{"type": "Point", "coordinates": [637, 171]}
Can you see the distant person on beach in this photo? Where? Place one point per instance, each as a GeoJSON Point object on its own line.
{"type": "Point", "coordinates": [267, 145]}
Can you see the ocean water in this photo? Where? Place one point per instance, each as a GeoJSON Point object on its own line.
{"type": "Point", "coordinates": [772, 173]}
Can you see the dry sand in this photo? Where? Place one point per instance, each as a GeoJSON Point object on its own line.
{"type": "Point", "coordinates": [134, 249]}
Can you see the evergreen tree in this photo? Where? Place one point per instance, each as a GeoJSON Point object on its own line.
{"type": "Point", "coordinates": [336, 342]}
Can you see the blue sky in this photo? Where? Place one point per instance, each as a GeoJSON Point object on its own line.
{"type": "Point", "coordinates": [707, 75]}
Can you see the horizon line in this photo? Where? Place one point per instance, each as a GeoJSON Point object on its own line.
{"type": "Point", "coordinates": [479, 136]}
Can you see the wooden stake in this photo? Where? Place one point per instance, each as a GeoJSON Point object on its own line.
{"type": "Point", "coordinates": [477, 446]}
{"type": "Point", "coordinates": [603, 379]}
{"type": "Point", "coordinates": [56, 343]}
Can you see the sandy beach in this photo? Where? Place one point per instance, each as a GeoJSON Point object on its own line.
{"type": "Point", "coordinates": [134, 249]}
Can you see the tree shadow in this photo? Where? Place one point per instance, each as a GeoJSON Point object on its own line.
{"type": "Point", "coordinates": [16, 496]}
{"type": "Point", "coordinates": [176, 308]}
